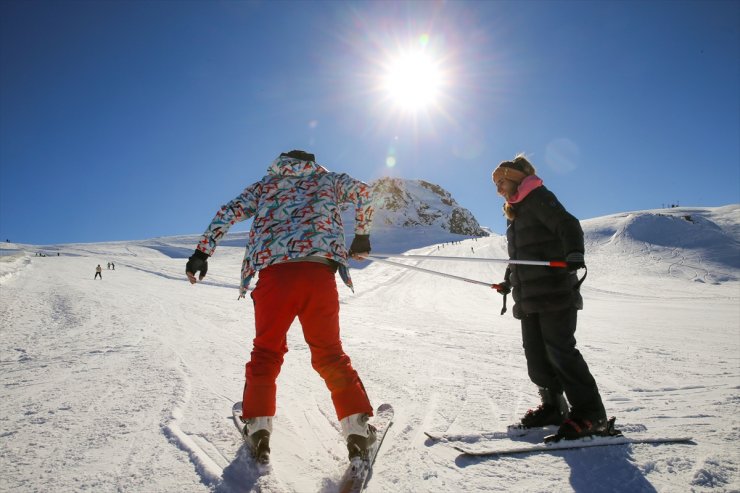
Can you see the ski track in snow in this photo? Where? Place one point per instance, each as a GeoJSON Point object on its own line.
{"type": "Point", "coordinates": [126, 384]}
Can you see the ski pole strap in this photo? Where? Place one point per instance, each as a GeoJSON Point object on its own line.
{"type": "Point", "coordinates": [580, 281]}
{"type": "Point", "coordinates": [503, 308]}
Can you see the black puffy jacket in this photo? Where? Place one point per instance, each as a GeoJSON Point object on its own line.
{"type": "Point", "coordinates": [542, 230]}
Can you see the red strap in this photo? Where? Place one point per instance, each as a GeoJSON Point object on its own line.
{"type": "Point", "coordinates": [573, 425]}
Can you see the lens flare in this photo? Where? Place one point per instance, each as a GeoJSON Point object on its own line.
{"type": "Point", "coordinates": [413, 80]}
{"type": "Point", "coordinates": [562, 155]}
{"type": "Point", "coordinates": [390, 160]}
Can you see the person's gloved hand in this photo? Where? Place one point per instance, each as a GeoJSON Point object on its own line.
{"type": "Point", "coordinates": [504, 288]}
{"type": "Point", "coordinates": [198, 261]}
{"type": "Point", "coordinates": [575, 261]}
{"type": "Point", "coordinates": [360, 246]}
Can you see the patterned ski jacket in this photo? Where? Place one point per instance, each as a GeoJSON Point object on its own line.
{"type": "Point", "coordinates": [297, 213]}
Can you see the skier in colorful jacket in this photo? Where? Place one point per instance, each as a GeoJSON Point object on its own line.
{"type": "Point", "coordinates": [297, 214]}
{"type": "Point", "coordinates": [297, 244]}
{"type": "Point", "coordinates": [547, 300]}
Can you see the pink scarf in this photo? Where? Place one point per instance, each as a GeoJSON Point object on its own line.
{"type": "Point", "coordinates": [525, 187]}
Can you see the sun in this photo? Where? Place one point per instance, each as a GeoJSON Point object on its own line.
{"type": "Point", "coordinates": [413, 80]}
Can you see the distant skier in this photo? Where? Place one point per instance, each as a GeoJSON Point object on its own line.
{"type": "Point", "coordinates": [297, 244]}
{"type": "Point", "coordinates": [98, 272]}
{"type": "Point", "coordinates": [547, 301]}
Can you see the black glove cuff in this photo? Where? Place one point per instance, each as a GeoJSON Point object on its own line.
{"type": "Point", "coordinates": [360, 244]}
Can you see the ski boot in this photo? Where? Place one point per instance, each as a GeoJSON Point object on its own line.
{"type": "Point", "coordinates": [257, 435]}
{"type": "Point", "coordinates": [359, 434]}
{"type": "Point", "coordinates": [578, 427]}
{"type": "Point", "coordinates": [552, 411]}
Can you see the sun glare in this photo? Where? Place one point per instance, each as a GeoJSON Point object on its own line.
{"type": "Point", "coordinates": [413, 81]}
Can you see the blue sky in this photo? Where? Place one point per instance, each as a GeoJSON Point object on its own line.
{"type": "Point", "coordinates": [123, 120]}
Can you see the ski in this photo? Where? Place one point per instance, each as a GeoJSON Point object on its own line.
{"type": "Point", "coordinates": [262, 459]}
{"type": "Point", "coordinates": [512, 431]}
{"type": "Point", "coordinates": [359, 471]}
{"type": "Point", "coordinates": [593, 441]}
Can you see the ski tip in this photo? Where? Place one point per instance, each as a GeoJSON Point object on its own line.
{"type": "Point", "coordinates": [384, 408]}
{"type": "Point", "coordinates": [236, 411]}
{"type": "Point", "coordinates": [432, 435]}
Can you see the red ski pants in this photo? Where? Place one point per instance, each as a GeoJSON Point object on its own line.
{"type": "Point", "coordinates": [306, 290]}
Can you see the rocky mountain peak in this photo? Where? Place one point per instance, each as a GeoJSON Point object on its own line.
{"type": "Point", "coordinates": [410, 203]}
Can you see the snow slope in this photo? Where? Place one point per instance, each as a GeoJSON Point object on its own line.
{"type": "Point", "coordinates": [126, 384]}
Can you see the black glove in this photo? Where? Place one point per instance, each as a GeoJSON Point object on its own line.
{"type": "Point", "coordinates": [360, 244]}
{"type": "Point", "coordinates": [198, 261]}
{"type": "Point", "coordinates": [504, 288]}
{"type": "Point", "coordinates": [575, 261]}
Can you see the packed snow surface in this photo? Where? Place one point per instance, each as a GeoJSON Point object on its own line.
{"type": "Point", "coordinates": [126, 384]}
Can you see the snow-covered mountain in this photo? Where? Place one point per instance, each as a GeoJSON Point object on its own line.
{"type": "Point", "coordinates": [408, 214]}
{"type": "Point", "coordinates": [418, 203]}
{"type": "Point", "coordinates": [126, 384]}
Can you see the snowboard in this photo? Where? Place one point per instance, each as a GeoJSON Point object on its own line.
{"type": "Point", "coordinates": [512, 431]}
{"type": "Point", "coordinates": [594, 441]}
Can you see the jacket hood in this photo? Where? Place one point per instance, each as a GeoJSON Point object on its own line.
{"type": "Point", "coordinates": [288, 166]}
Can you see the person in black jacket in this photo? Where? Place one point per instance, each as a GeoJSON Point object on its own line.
{"type": "Point", "coordinates": [547, 300]}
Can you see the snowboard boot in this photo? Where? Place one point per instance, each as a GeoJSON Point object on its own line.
{"type": "Point", "coordinates": [257, 435]}
{"type": "Point", "coordinates": [359, 434]}
{"type": "Point", "coordinates": [552, 411]}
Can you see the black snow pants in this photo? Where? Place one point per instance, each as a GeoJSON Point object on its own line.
{"type": "Point", "coordinates": [554, 362]}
